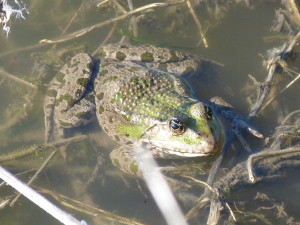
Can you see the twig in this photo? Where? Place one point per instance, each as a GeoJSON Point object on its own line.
{"type": "Point", "coordinates": [123, 11]}
{"type": "Point", "coordinates": [119, 6]}
{"type": "Point", "coordinates": [158, 187]}
{"type": "Point", "coordinates": [73, 18]}
{"type": "Point", "coordinates": [37, 198]}
{"type": "Point", "coordinates": [283, 90]}
{"type": "Point", "coordinates": [34, 148]}
{"type": "Point", "coordinates": [19, 80]}
{"type": "Point", "coordinates": [231, 212]}
{"type": "Point", "coordinates": [200, 182]}
{"type": "Point", "coordinates": [273, 64]}
{"type": "Point", "coordinates": [112, 30]}
{"type": "Point", "coordinates": [27, 48]}
{"type": "Point", "coordinates": [34, 176]}
{"type": "Point", "coordinates": [102, 2]}
{"type": "Point", "coordinates": [265, 91]}
{"type": "Point", "coordinates": [289, 116]}
{"type": "Point", "coordinates": [133, 21]}
{"type": "Point", "coordinates": [214, 212]}
{"type": "Point", "coordinates": [203, 200]}
{"type": "Point", "coordinates": [196, 19]}
{"type": "Point", "coordinates": [18, 174]}
{"type": "Point", "coordinates": [294, 9]}
{"type": "Point", "coordinates": [289, 153]}
{"type": "Point", "coordinates": [64, 200]}
{"type": "Point", "coordinates": [86, 30]}
{"type": "Point", "coordinates": [274, 164]}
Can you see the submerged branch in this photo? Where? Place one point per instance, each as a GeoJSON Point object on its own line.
{"type": "Point", "coordinates": [197, 21]}
{"type": "Point", "coordinates": [19, 80]}
{"type": "Point", "coordinates": [108, 36]}
{"type": "Point", "coordinates": [86, 30]}
{"type": "Point", "coordinates": [270, 164]}
{"type": "Point", "coordinates": [88, 209]}
{"type": "Point", "coordinates": [22, 49]}
{"type": "Point", "coordinates": [45, 163]}
{"type": "Point", "coordinates": [38, 199]}
{"type": "Point", "coordinates": [273, 64]}
{"type": "Point", "coordinates": [37, 148]}
{"type": "Point", "coordinates": [283, 90]}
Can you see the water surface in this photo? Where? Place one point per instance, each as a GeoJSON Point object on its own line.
{"type": "Point", "coordinates": [236, 41]}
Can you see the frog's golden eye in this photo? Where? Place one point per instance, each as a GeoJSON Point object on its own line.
{"type": "Point", "coordinates": [208, 112]}
{"type": "Point", "coordinates": [176, 126]}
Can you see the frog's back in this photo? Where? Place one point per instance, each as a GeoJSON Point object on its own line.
{"type": "Point", "coordinates": [130, 94]}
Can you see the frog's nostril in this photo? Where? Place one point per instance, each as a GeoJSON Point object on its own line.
{"type": "Point", "coordinates": [201, 134]}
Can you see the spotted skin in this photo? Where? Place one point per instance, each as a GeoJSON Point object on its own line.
{"type": "Point", "coordinates": [67, 99]}
{"type": "Point", "coordinates": [134, 94]}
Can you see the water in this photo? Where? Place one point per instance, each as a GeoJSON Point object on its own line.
{"type": "Point", "coordinates": [235, 41]}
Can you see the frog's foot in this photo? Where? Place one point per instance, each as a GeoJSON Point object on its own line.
{"type": "Point", "coordinates": [236, 120]}
{"type": "Point", "coordinates": [56, 120]}
{"type": "Point", "coordinates": [80, 114]}
{"type": "Point", "coordinates": [124, 159]}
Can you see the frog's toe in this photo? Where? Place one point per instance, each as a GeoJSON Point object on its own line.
{"type": "Point", "coordinates": [123, 159]}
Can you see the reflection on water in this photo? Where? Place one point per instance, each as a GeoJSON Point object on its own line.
{"type": "Point", "coordinates": [83, 171]}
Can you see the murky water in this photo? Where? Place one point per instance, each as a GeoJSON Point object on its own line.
{"type": "Point", "coordinates": [85, 173]}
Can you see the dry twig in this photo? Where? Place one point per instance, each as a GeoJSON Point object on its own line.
{"type": "Point", "coordinates": [35, 148]}
{"type": "Point", "coordinates": [197, 21]}
{"type": "Point", "coordinates": [38, 199]}
{"type": "Point", "coordinates": [86, 30]}
{"type": "Point", "coordinates": [272, 66]}
{"type": "Point", "coordinates": [19, 80]}
{"type": "Point", "coordinates": [34, 176]}
{"type": "Point", "coordinates": [88, 209]}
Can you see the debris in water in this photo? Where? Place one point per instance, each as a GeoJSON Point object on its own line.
{"type": "Point", "coordinates": [6, 11]}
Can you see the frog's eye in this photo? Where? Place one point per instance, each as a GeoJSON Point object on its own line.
{"type": "Point", "coordinates": [176, 126]}
{"type": "Point", "coordinates": [208, 112]}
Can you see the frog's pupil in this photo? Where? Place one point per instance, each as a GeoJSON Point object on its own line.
{"type": "Point", "coordinates": [174, 126]}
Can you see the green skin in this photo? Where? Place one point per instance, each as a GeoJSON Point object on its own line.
{"type": "Point", "coordinates": [136, 93]}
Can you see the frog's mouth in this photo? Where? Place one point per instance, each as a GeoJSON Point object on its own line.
{"type": "Point", "coordinates": [175, 149]}
{"type": "Point", "coordinates": [187, 154]}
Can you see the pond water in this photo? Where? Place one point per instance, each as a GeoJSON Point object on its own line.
{"type": "Point", "coordinates": [84, 172]}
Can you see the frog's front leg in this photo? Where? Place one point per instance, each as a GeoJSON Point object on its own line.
{"type": "Point", "coordinates": [237, 121]}
{"type": "Point", "coordinates": [124, 159]}
{"type": "Point", "coordinates": [69, 100]}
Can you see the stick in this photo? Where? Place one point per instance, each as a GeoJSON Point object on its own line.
{"type": "Point", "coordinates": [283, 90]}
{"type": "Point", "coordinates": [158, 187]}
{"type": "Point", "coordinates": [86, 30]}
{"type": "Point", "coordinates": [197, 21]}
{"type": "Point", "coordinates": [22, 49]}
{"type": "Point", "coordinates": [273, 65]}
{"type": "Point", "coordinates": [19, 80]}
{"type": "Point", "coordinates": [38, 199]}
{"type": "Point", "coordinates": [34, 176]}
{"type": "Point", "coordinates": [35, 148]}
{"type": "Point", "coordinates": [109, 35]}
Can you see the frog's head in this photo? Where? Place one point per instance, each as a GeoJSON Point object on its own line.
{"type": "Point", "coordinates": [196, 132]}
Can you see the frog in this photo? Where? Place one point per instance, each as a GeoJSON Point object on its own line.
{"type": "Point", "coordinates": [137, 93]}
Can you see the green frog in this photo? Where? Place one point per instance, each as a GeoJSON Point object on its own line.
{"type": "Point", "coordinates": [137, 93]}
